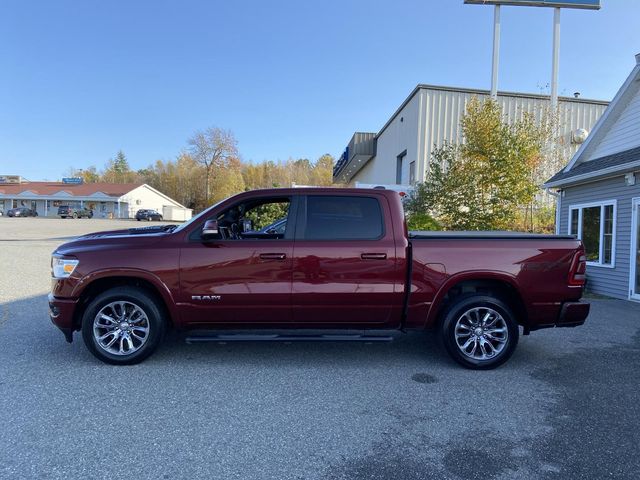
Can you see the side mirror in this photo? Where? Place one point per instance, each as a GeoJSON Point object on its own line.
{"type": "Point", "coordinates": [210, 229]}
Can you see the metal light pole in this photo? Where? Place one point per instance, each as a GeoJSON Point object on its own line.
{"type": "Point", "coordinates": [557, 5]}
{"type": "Point", "coordinates": [496, 52]}
{"type": "Point", "coordinates": [555, 59]}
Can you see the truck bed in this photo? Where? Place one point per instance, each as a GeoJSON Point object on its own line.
{"type": "Point", "coordinates": [497, 235]}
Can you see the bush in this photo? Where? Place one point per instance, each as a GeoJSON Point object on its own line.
{"type": "Point", "coordinates": [422, 221]}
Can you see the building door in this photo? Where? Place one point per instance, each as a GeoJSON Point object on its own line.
{"type": "Point", "coordinates": [634, 287]}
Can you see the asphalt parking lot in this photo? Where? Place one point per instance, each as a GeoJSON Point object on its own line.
{"type": "Point", "coordinates": [567, 405]}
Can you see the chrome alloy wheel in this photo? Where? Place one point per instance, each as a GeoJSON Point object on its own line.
{"type": "Point", "coordinates": [121, 328]}
{"type": "Point", "coordinates": [481, 333]}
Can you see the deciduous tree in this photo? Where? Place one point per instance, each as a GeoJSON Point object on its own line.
{"type": "Point", "coordinates": [213, 148]}
{"type": "Point", "coordinates": [482, 183]}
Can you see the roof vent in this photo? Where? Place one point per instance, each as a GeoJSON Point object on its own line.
{"type": "Point", "coordinates": [576, 94]}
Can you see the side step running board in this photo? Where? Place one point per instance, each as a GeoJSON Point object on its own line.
{"type": "Point", "coordinates": [239, 337]}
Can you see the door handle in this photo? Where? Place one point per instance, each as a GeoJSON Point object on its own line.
{"type": "Point", "coordinates": [273, 256]}
{"type": "Point", "coordinates": [374, 256]}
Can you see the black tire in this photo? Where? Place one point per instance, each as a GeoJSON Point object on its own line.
{"type": "Point", "coordinates": [63, 216]}
{"type": "Point", "coordinates": [75, 215]}
{"type": "Point", "coordinates": [142, 299]}
{"type": "Point", "coordinates": [478, 305]}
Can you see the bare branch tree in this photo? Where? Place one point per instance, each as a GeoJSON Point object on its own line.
{"type": "Point", "coordinates": [214, 148]}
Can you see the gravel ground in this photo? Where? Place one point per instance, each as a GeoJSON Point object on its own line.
{"type": "Point", "coordinates": [565, 406]}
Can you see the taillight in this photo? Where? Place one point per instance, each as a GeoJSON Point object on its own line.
{"type": "Point", "coordinates": [578, 270]}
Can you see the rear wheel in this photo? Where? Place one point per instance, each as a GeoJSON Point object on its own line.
{"type": "Point", "coordinates": [123, 326]}
{"type": "Point", "coordinates": [75, 215]}
{"type": "Point", "coordinates": [480, 331]}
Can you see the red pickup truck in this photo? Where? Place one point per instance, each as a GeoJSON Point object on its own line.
{"type": "Point", "coordinates": [338, 264]}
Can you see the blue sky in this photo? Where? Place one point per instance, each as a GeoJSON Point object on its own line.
{"type": "Point", "coordinates": [80, 80]}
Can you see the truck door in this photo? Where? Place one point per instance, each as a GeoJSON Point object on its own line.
{"type": "Point", "coordinates": [243, 277]}
{"type": "Point", "coordinates": [345, 272]}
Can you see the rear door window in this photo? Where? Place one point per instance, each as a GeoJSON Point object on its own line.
{"type": "Point", "coordinates": [344, 217]}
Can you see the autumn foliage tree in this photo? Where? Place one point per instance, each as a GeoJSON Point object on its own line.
{"type": "Point", "coordinates": [216, 149]}
{"type": "Point", "coordinates": [482, 183]}
{"type": "Point", "coordinates": [209, 170]}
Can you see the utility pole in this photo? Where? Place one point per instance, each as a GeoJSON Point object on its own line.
{"type": "Point", "coordinates": [555, 59]}
{"type": "Point", "coordinates": [496, 52]}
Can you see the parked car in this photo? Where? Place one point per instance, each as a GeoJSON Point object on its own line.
{"type": "Point", "coordinates": [144, 214]}
{"type": "Point", "coordinates": [273, 230]}
{"type": "Point", "coordinates": [22, 212]}
{"type": "Point", "coordinates": [65, 211]}
{"type": "Point", "coordinates": [345, 262]}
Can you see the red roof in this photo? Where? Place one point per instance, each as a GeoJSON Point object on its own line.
{"type": "Point", "coordinates": [82, 190]}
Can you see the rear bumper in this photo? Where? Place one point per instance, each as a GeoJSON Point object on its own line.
{"type": "Point", "coordinates": [572, 314]}
{"type": "Point", "coordinates": [61, 313]}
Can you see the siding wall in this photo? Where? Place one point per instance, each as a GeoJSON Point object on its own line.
{"type": "Point", "coordinates": [613, 282]}
{"type": "Point", "coordinates": [624, 134]}
{"type": "Point", "coordinates": [143, 197]}
{"type": "Point", "coordinates": [432, 117]}
{"type": "Point", "coordinates": [400, 135]}
{"type": "Point", "coordinates": [442, 112]}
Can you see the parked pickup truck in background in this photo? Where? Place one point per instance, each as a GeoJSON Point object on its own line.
{"type": "Point", "coordinates": [344, 263]}
{"type": "Point", "coordinates": [65, 211]}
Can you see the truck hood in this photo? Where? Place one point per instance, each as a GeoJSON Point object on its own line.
{"type": "Point", "coordinates": [114, 239]}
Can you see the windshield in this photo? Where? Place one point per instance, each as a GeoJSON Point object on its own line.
{"type": "Point", "coordinates": [198, 216]}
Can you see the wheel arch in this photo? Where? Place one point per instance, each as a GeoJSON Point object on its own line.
{"type": "Point", "coordinates": [102, 281]}
{"type": "Point", "coordinates": [497, 284]}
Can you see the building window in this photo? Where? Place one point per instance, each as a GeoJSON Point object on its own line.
{"type": "Point", "coordinates": [399, 165]}
{"type": "Point", "coordinates": [595, 225]}
{"type": "Point", "coordinates": [412, 173]}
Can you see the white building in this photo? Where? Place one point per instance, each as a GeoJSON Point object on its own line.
{"type": "Point", "coordinates": [107, 200]}
{"type": "Point", "coordinates": [430, 116]}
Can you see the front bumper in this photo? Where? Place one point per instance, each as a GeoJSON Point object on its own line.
{"type": "Point", "coordinates": [61, 313]}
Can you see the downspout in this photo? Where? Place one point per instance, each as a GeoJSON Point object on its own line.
{"type": "Point", "coordinates": [558, 197]}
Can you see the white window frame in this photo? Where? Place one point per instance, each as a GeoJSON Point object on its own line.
{"type": "Point", "coordinates": [635, 243]}
{"type": "Point", "coordinates": [604, 203]}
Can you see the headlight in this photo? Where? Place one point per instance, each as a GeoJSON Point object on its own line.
{"type": "Point", "coordinates": [63, 267]}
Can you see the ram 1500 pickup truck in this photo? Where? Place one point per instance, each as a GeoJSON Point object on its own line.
{"type": "Point", "coordinates": [343, 267]}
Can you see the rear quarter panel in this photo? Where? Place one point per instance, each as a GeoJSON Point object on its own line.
{"type": "Point", "coordinates": [537, 268]}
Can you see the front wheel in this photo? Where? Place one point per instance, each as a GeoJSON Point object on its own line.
{"type": "Point", "coordinates": [75, 215]}
{"type": "Point", "coordinates": [480, 332]}
{"type": "Point", "coordinates": [123, 326]}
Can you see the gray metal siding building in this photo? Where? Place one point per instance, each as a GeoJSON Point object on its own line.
{"type": "Point", "coordinates": [430, 116]}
